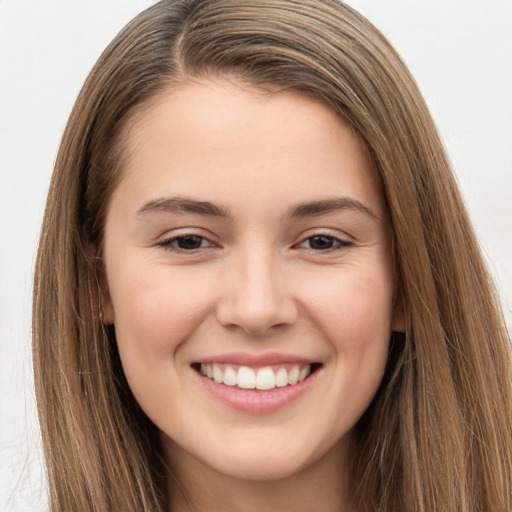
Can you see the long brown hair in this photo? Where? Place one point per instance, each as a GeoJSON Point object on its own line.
{"type": "Point", "coordinates": [437, 435]}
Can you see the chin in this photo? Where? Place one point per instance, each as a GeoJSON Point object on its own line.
{"type": "Point", "coordinates": [262, 467]}
{"type": "Point", "coordinates": [257, 459]}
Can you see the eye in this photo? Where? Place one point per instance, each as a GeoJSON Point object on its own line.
{"type": "Point", "coordinates": [324, 243]}
{"type": "Point", "coordinates": [186, 243]}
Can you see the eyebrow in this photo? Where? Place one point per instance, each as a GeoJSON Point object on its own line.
{"type": "Point", "coordinates": [310, 209]}
{"type": "Point", "coordinates": [182, 205]}
{"type": "Point", "coordinates": [329, 205]}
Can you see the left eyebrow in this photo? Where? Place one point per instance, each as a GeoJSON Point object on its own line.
{"type": "Point", "coordinates": [329, 205]}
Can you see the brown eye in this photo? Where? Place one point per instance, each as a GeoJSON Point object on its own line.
{"type": "Point", "coordinates": [189, 242]}
{"type": "Point", "coordinates": [321, 242]}
{"type": "Point", "coordinates": [186, 243]}
{"type": "Point", "coordinates": [324, 243]}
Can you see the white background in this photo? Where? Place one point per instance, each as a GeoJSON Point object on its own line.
{"type": "Point", "coordinates": [460, 52]}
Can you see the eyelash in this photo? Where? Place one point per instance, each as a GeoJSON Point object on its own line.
{"type": "Point", "coordinates": [338, 243]}
{"type": "Point", "coordinates": [171, 243]}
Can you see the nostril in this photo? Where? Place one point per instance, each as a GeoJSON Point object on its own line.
{"type": "Point", "coordinates": [255, 305]}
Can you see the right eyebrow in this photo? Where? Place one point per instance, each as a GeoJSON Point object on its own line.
{"type": "Point", "coordinates": [182, 205]}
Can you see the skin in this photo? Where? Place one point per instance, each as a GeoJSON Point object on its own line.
{"type": "Point", "coordinates": [256, 283]}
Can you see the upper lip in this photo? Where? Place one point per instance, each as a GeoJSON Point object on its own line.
{"type": "Point", "coordinates": [255, 360]}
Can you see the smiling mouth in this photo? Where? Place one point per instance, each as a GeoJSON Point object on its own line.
{"type": "Point", "coordinates": [262, 379]}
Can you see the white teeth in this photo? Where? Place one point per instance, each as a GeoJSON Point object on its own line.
{"type": "Point", "coordinates": [281, 378]}
{"type": "Point", "coordinates": [246, 378]}
{"type": "Point", "coordinates": [230, 376]}
{"type": "Point", "coordinates": [265, 379]}
{"type": "Point", "coordinates": [304, 373]}
{"type": "Point", "coordinates": [293, 375]}
{"type": "Point", "coordinates": [218, 374]}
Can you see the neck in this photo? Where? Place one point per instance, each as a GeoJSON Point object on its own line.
{"type": "Point", "coordinates": [322, 486]}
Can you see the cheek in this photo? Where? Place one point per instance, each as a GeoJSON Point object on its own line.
{"type": "Point", "coordinates": [157, 309]}
{"type": "Point", "coordinates": [355, 315]}
{"type": "Point", "coordinates": [354, 308]}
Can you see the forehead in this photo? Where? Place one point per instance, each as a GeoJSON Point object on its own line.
{"type": "Point", "coordinates": [209, 135]}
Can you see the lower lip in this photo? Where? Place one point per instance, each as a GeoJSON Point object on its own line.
{"type": "Point", "coordinates": [255, 401]}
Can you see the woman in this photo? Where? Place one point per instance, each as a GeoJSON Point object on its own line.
{"type": "Point", "coordinates": [257, 285]}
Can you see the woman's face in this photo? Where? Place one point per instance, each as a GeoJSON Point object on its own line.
{"type": "Point", "coordinates": [248, 239]}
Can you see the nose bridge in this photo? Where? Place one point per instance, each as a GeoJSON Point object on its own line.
{"type": "Point", "coordinates": [258, 297]}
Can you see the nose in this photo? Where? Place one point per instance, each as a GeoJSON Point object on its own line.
{"type": "Point", "coordinates": [257, 297]}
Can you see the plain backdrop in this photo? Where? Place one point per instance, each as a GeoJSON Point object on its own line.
{"type": "Point", "coordinates": [460, 52]}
